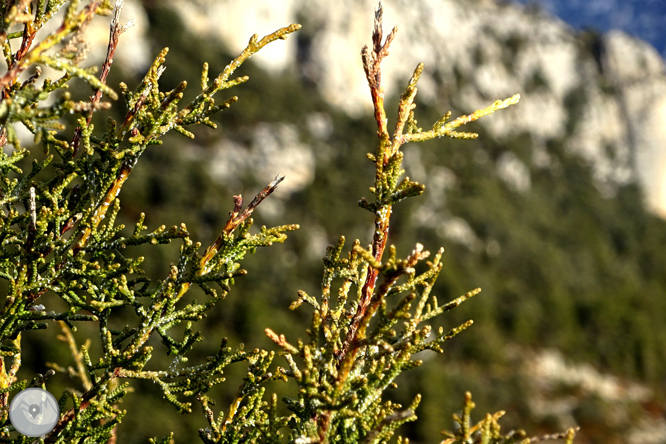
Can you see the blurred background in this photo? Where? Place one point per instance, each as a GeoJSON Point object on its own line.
{"type": "Point", "coordinates": [555, 211]}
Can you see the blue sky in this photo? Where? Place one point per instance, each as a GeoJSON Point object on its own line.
{"type": "Point", "coordinates": [645, 19]}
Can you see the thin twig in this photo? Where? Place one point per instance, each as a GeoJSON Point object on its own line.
{"type": "Point", "coordinates": [21, 59]}
{"type": "Point", "coordinates": [365, 309]}
{"type": "Point", "coordinates": [236, 217]}
{"type": "Point", "coordinates": [114, 36]}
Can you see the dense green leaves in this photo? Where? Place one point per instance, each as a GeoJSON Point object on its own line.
{"type": "Point", "coordinates": [60, 236]}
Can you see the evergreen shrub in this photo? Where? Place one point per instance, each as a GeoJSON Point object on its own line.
{"type": "Point", "coordinates": [65, 262]}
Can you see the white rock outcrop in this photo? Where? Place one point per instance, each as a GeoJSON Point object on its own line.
{"type": "Point", "coordinates": [476, 52]}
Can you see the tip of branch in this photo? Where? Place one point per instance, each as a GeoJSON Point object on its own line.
{"type": "Point", "coordinates": [279, 178]}
{"type": "Point", "coordinates": [379, 11]}
{"type": "Point", "coordinates": [377, 31]}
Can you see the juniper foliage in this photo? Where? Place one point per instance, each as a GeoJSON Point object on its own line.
{"type": "Point", "coordinates": [59, 238]}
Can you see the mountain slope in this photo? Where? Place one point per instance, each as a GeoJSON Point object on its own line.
{"type": "Point", "coordinates": [605, 93]}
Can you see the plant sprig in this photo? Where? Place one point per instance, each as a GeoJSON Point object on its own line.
{"type": "Point", "coordinates": [362, 338]}
{"type": "Point", "coordinates": [59, 233]}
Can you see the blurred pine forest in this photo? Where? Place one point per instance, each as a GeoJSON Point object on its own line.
{"type": "Point", "coordinates": [561, 266]}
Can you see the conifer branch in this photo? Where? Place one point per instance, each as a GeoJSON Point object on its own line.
{"type": "Point", "coordinates": [116, 29]}
{"type": "Point", "coordinates": [26, 55]}
{"type": "Point", "coordinates": [61, 235]}
{"type": "Point", "coordinates": [236, 217]}
{"type": "Point", "coordinates": [488, 430]}
{"type": "Point", "coordinates": [380, 277]}
{"type": "Point", "coordinates": [441, 128]}
{"type": "Point", "coordinates": [64, 238]}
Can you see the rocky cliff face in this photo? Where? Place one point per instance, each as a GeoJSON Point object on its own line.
{"type": "Point", "coordinates": [637, 73]}
{"type": "Point", "coordinates": [604, 96]}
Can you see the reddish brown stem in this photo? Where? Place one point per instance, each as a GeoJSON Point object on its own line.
{"type": "Point", "coordinates": [372, 67]}
{"type": "Point", "coordinates": [369, 301]}
{"type": "Point", "coordinates": [114, 37]}
{"type": "Point", "coordinates": [236, 217]}
{"type": "Point", "coordinates": [20, 61]}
